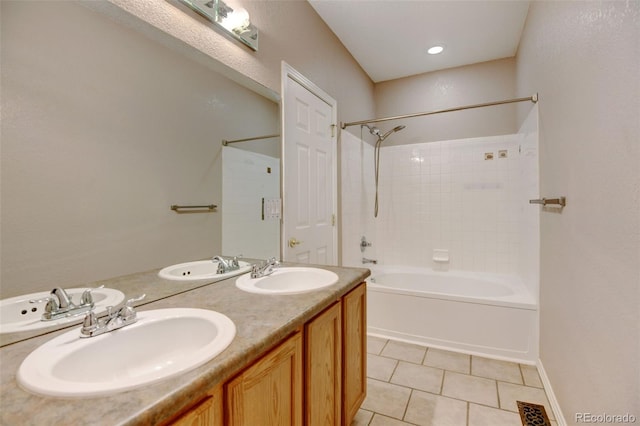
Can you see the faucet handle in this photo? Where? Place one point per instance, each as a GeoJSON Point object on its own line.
{"type": "Point", "coordinates": [129, 302]}
{"type": "Point", "coordinates": [87, 297]}
{"type": "Point", "coordinates": [127, 312]}
{"type": "Point", "coordinates": [255, 270]}
{"type": "Point", "coordinates": [43, 300]}
{"type": "Point", "coordinates": [51, 306]}
{"type": "Point", "coordinates": [364, 244]}
{"type": "Point", "coordinates": [89, 324]}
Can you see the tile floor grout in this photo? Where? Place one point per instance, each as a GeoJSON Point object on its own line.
{"type": "Point", "coordinates": [493, 411]}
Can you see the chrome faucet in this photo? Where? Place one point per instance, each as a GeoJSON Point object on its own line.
{"type": "Point", "coordinates": [226, 265]}
{"type": "Point", "coordinates": [365, 260]}
{"type": "Point", "coordinates": [264, 269]}
{"type": "Point", "coordinates": [126, 315]}
{"type": "Point", "coordinates": [59, 304]}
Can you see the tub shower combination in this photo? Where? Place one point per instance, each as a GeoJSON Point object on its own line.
{"type": "Point", "coordinates": [478, 313]}
{"type": "Point", "coordinates": [473, 312]}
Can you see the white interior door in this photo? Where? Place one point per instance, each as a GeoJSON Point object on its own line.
{"type": "Point", "coordinates": [309, 171]}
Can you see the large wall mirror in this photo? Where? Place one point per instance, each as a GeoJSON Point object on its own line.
{"type": "Point", "coordinates": [104, 127]}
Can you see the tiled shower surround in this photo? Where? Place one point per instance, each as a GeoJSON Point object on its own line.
{"type": "Point", "coordinates": [446, 195]}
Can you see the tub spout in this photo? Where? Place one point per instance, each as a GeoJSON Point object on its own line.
{"type": "Point", "coordinates": [365, 260]}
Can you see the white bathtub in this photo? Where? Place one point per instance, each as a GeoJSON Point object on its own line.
{"type": "Point", "coordinates": [477, 313]}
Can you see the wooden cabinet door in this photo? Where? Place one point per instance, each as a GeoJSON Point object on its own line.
{"type": "Point", "coordinates": [323, 372]}
{"type": "Point", "coordinates": [354, 352]}
{"type": "Point", "coordinates": [269, 392]}
{"type": "Point", "coordinates": [207, 412]}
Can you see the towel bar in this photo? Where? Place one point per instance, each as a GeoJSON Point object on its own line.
{"type": "Point", "coordinates": [176, 207]}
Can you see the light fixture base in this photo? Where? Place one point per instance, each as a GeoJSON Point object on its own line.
{"type": "Point", "coordinates": [234, 22]}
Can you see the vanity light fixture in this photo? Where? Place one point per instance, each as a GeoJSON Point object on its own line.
{"type": "Point", "coordinates": [232, 18]}
{"type": "Point", "coordinates": [434, 50]}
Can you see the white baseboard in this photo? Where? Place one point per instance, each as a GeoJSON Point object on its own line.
{"type": "Point", "coordinates": [481, 351]}
{"type": "Point", "coordinates": [555, 406]}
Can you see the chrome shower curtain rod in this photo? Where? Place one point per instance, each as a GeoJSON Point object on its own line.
{"type": "Point", "coordinates": [533, 98]}
{"type": "Point", "coordinates": [226, 142]}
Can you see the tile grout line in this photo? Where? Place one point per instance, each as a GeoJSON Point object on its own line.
{"type": "Point", "coordinates": [406, 407]}
{"type": "Point", "coordinates": [424, 357]}
{"type": "Point", "coordinates": [383, 346]}
{"type": "Point", "coordinates": [468, 412]}
{"type": "Point", "coordinates": [394, 372]}
{"type": "Point", "coordinates": [522, 374]}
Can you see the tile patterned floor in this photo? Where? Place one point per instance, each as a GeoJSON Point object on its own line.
{"type": "Point", "coordinates": [415, 385]}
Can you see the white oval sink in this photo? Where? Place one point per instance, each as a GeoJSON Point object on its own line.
{"type": "Point", "coordinates": [288, 280]}
{"type": "Point", "coordinates": [17, 314]}
{"type": "Point", "coordinates": [199, 270]}
{"type": "Point", "coordinates": [163, 343]}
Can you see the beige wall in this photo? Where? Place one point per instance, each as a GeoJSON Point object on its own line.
{"type": "Point", "coordinates": [103, 128]}
{"type": "Point", "coordinates": [468, 85]}
{"type": "Point", "coordinates": [290, 31]}
{"type": "Point", "coordinates": [583, 59]}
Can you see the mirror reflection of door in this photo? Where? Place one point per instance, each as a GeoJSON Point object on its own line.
{"type": "Point", "coordinates": [309, 172]}
{"type": "Point", "coordinates": [251, 191]}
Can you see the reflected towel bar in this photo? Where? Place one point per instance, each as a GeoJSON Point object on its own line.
{"type": "Point", "coordinates": [176, 207]}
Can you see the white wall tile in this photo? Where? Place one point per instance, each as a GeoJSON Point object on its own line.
{"type": "Point", "coordinates": [446, 195]}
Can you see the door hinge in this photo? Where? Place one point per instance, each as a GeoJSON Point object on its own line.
{"type": "Point", "coordinates": [333, 130]}
{"type": "Point", "coordinates": [333, 220]}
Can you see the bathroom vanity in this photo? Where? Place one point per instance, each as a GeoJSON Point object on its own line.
{"type": "Point", "coordinates": [296, 359]}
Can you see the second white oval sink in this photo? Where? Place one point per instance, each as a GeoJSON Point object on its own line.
{"type": "Point", "coordinates": [161, 344]}
{"type": "Point", "coordinates": [200, 270]}
{"type": "Point", "coordinates": [288, 280]}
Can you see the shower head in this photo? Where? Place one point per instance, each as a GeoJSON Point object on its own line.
{"type": "Point", "coordinates": [395, 129]}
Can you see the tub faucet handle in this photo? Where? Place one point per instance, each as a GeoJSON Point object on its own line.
{"type": "Point", "coordinates": [364, 244]}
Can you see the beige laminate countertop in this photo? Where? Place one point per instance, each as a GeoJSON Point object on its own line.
{"type": "Point", "coordinates": [261, 322]}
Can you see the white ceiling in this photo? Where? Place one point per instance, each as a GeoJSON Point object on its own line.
{"type": "Point", "coordinates": [389, 38]}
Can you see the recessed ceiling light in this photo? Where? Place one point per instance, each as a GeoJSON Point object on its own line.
{"type": "Point", "coordinates": [435, 50]}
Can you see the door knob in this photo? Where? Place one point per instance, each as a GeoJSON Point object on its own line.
{"type": "Point", "coordinates": [293, 242]}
